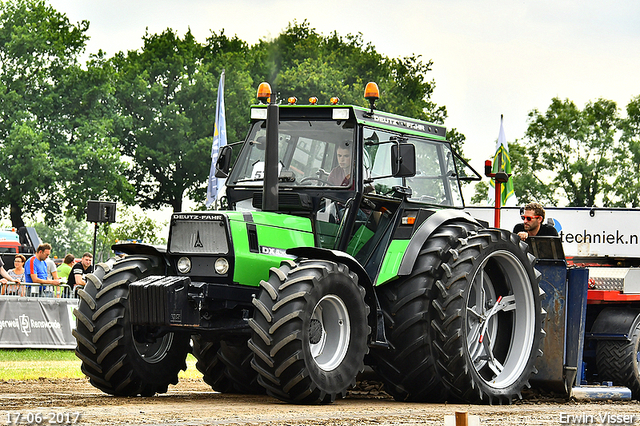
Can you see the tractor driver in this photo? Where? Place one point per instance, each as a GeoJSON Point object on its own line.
{"type": "Point", "coordinates": [341, 175]}
{"type": "Point", "coordinates": [532, 223]}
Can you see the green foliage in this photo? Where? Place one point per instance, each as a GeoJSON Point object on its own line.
{"type": "Point", "coordinates": [76, 237]}
{"type": "Point", "coordinates": [164, 124]}
{"type": "Point", "coordinates": [132, 226]}
{"type": "Point", "coordinates": [70, 236]}
{"type": "Point", "coordinates": [576, 146]}
{"type": "Point", "coordinates": [54, 126]}
{"type": "Point", "coordinates": [527, 185]}
{"type": "Point", "coordinates": [626, 186]}
{"type": "Point", "coordinates": [166, 95]}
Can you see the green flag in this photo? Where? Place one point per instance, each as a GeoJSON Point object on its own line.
{"type": "Point", "coordinates": [502, 163]}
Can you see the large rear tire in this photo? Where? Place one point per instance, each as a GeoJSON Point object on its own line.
{"type": "Point", "coordinates": [488, 317]}
{"type": "Point", "coordinates": [115, 361]}
{"type": "Point", "coordinates": [226, 366]}
{"type": "Point", "coordinates": [408, 368]}
{"type": "Point", "coordinates": [309, 331]}
{"type": "Point", "coordinates": [618, 361]}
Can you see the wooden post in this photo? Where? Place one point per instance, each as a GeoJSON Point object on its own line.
{"type": "Point", "coordinates": [462, 418]}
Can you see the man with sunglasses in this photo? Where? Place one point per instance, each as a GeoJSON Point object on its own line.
{"type": "Point", "coordinates": [532, 223]}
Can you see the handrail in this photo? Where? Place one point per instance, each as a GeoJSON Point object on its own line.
{"type": "Point", "coordinates": [23, 289]}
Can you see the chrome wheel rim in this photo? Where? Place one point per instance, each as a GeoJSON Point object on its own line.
{"type": "Point", "coordinates": [501, 325]}
{"type": "Point", "coordinates": [329, 332]}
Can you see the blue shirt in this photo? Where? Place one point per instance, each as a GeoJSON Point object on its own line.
{"type": "Point", "coordinates": [35, 266]}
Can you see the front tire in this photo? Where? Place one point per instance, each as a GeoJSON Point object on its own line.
{"type": "Point", "coordinates": [115, 361]}
{"type": "Point", "coordinates": [488, 317]}
{"type": "Point", "coordinates": [309, 331]}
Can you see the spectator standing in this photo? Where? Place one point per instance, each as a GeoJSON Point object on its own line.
{"type": "Point", "coordinates": [65, 267]}
{"type": "Point", "coordinates": [52, 269]}
{"type": "Point", "coordinates": [79, 271]}
{"type": "Point", "coordinates": [16, 273]}
{"type": "Point", "coordinates": [35, 270]}
{"type": "Point", "coordinates": [6, 278]}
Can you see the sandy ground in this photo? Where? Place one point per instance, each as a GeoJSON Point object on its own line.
{"type": "Point", "coordinates": [192, 402]}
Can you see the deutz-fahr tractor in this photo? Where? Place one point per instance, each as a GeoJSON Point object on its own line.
{"type": "Point", "coordinates": [344, 245]}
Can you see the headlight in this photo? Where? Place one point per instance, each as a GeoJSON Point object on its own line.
{"type": "Point", "coordinates": [222, 266]}
{"type": "Point", "coordinates": [184, 265]}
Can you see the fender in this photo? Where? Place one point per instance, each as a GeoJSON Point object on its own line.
{"type": "Point", "coordinates": [334, 256]}
{"type": "Point", "coordinates": [376, 319]}
{"type": "Point", "coordinates": [423, 233]}
{"type": "Point", "coordinates": [615, 324]}
{"type": "Point", "coordinates": [158, 253]}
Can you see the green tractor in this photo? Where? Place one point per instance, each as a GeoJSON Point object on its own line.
{"type": "Point", "coordinates": [344, 245]}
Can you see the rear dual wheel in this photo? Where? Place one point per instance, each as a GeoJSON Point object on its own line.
{"type": "Point", "coordinates": [467, 323]}
{"type": "Point", "coordinates": [488, 318]}
{"type": "Point", "coordinates": [618, 361]}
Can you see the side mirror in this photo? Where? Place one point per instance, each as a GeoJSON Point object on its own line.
{"type": "Point", "coordinates": [403, 160]}
{"type": "Point", "coordinates": [224, 162]}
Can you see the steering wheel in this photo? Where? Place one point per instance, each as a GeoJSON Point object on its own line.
{"type": "Point", "coordinates": [311, 178]}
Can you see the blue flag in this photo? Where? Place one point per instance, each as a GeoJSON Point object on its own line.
{"type": "Point", "coordinates": [219, 140]}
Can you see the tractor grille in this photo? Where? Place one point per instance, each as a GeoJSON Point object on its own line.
{"type": "Point", "coordinates": [198, 237]}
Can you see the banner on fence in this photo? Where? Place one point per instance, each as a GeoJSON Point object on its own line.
{"type": "Point", "coordinates": [37, 323]}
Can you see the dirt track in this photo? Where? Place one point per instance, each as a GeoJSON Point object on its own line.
{"type": "Point", "coordinates": [192, 402]}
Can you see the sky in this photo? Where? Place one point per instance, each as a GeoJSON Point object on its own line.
{"type": "Point", "coordinates": [489, 57]}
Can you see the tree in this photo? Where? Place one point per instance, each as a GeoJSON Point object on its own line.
{"type": "Point", "coordinates": [76, 237]}
{"type": "Point", "coordinates": [626, 186]}
{"type": "Point", "coordinates": [130, 227]}
{"type": "Point", "coordinates": [69, 236]}
{"type": "Point", "coordinates": [52, 116]}
{"type": "Point", "coordinates": [576, 146]}
{"type": "Point", "coordinates": [527, 186]}
{"type": "Point", "coordinates": [303, 63]}
{"type": "Point", "coordinates": [166, 95]}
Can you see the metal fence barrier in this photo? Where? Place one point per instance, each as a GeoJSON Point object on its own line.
{"type": "Point", "coordinates": [62, 291]}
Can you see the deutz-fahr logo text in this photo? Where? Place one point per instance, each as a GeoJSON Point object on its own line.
{"type": "Point", "coordinates": [272, 251]}
{"type": "Point", "coordinates": [187, 216]}
{"type": "Point", "coordinates": [399, 123]}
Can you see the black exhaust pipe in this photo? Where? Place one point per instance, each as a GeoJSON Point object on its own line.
{"type": "Point", "coordinates": [270, 189]}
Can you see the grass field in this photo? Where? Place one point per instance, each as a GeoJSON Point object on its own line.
{"type": "Point", "coordinates": [30, 364]}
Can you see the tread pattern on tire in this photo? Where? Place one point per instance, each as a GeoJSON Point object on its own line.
{"type": "Point", "coordinates": [617, 361]}
{"type": "Point", "coordinates": [226, 367]}
{"type": "Point", "coordinates": [278, 339]}
{"type": "Point", "coordinates": [104, 338]}
{"type": "Point", "coordinates": [408, 369]}
{"type": "Point", "coordinates": [448, 320]}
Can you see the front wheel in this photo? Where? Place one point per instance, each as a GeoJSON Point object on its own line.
{"type": "Point", "coordinates": [118, 357]}
{"type": "Point", "coordinates": [309, 331]}
{"type": "Point", "coordinates": [488, 317]}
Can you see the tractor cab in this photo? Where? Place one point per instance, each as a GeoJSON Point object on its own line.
{"type": "Point", "coordinates": [353, 171]}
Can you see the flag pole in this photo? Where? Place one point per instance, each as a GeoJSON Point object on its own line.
{"type": "Point", "coordinates": [500, 177]}
{"type": "Point", "coordinates": [219, 140]}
